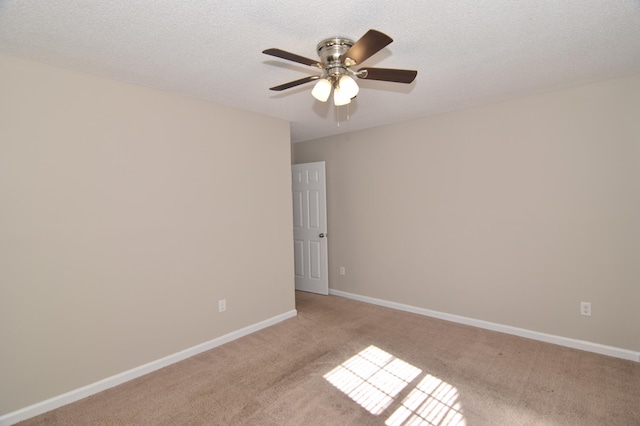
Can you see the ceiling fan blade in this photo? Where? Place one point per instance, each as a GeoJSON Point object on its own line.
{"type": "Point", "coordinates": [387, 74]}
{"type": "Point", "coordinates": [279, 53]}
{"type": "Point", "coordinates": [295, 83]}
{"type": "Point", "coordinates": [369, 44]}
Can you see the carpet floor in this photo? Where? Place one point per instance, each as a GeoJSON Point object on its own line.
{"type": "Point", "coordinates": [343, 362]}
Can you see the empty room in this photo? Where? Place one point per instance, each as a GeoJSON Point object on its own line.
{"type": "Point", "coordinates": [325, 213]}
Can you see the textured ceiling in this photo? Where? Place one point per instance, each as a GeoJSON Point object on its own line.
{"type": "Point", "coordinates": [466, 52]}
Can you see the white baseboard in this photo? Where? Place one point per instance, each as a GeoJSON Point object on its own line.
{"type": "Point", "coordinates": [543, 337]}
{"type": "Point", "coordinates": [109, 382]}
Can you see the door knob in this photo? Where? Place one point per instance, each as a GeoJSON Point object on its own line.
{"type": "Point", "coordinates": [321, 235]}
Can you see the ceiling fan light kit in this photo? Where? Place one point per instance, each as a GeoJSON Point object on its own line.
{"type": "Point", "coordinates": [322, 90]}
{"type": "Point", "coordinates": [337, 56]}
{"type": "Point", "coordinates": [340, 97]}
{"type": "Point", "coordinates": [349, 86]}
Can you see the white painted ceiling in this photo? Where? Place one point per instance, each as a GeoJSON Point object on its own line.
{"type": "Point", "coordinates": [467, 52]}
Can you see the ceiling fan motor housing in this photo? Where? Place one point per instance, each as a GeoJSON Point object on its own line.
{"type": "Point", "coordinates": [330, 51]}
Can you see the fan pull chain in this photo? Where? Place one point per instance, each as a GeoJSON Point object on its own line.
{"type": "Point", "coordinates": [338, 115]}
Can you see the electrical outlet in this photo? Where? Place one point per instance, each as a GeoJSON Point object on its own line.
{"type": "Point", "coordinates": [343, 270]}
{"type": "Point", "coordinates": [222, 305]}
{"type": "Point", "coordinates": [585, 309]}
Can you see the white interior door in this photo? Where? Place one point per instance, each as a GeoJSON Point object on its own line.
{"type": "Point", "coordinates": [310, 227]}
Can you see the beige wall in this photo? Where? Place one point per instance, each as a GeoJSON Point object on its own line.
{"type": "Point", "coordinates": [511, 213]}
{"type": "Point", "coordinates": [125, 214]}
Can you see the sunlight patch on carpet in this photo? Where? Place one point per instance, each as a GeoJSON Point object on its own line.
{"type": "Point", "coordinates": [431, 402]}
{"type": "Point", "coordinates": [374, 378]}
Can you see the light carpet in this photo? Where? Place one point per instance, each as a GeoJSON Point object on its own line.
{"type": "Point", "coordinates": [344, 362]}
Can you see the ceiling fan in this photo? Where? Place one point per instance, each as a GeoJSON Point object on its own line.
{"type": "Point", "coordinates": [337, 56]}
